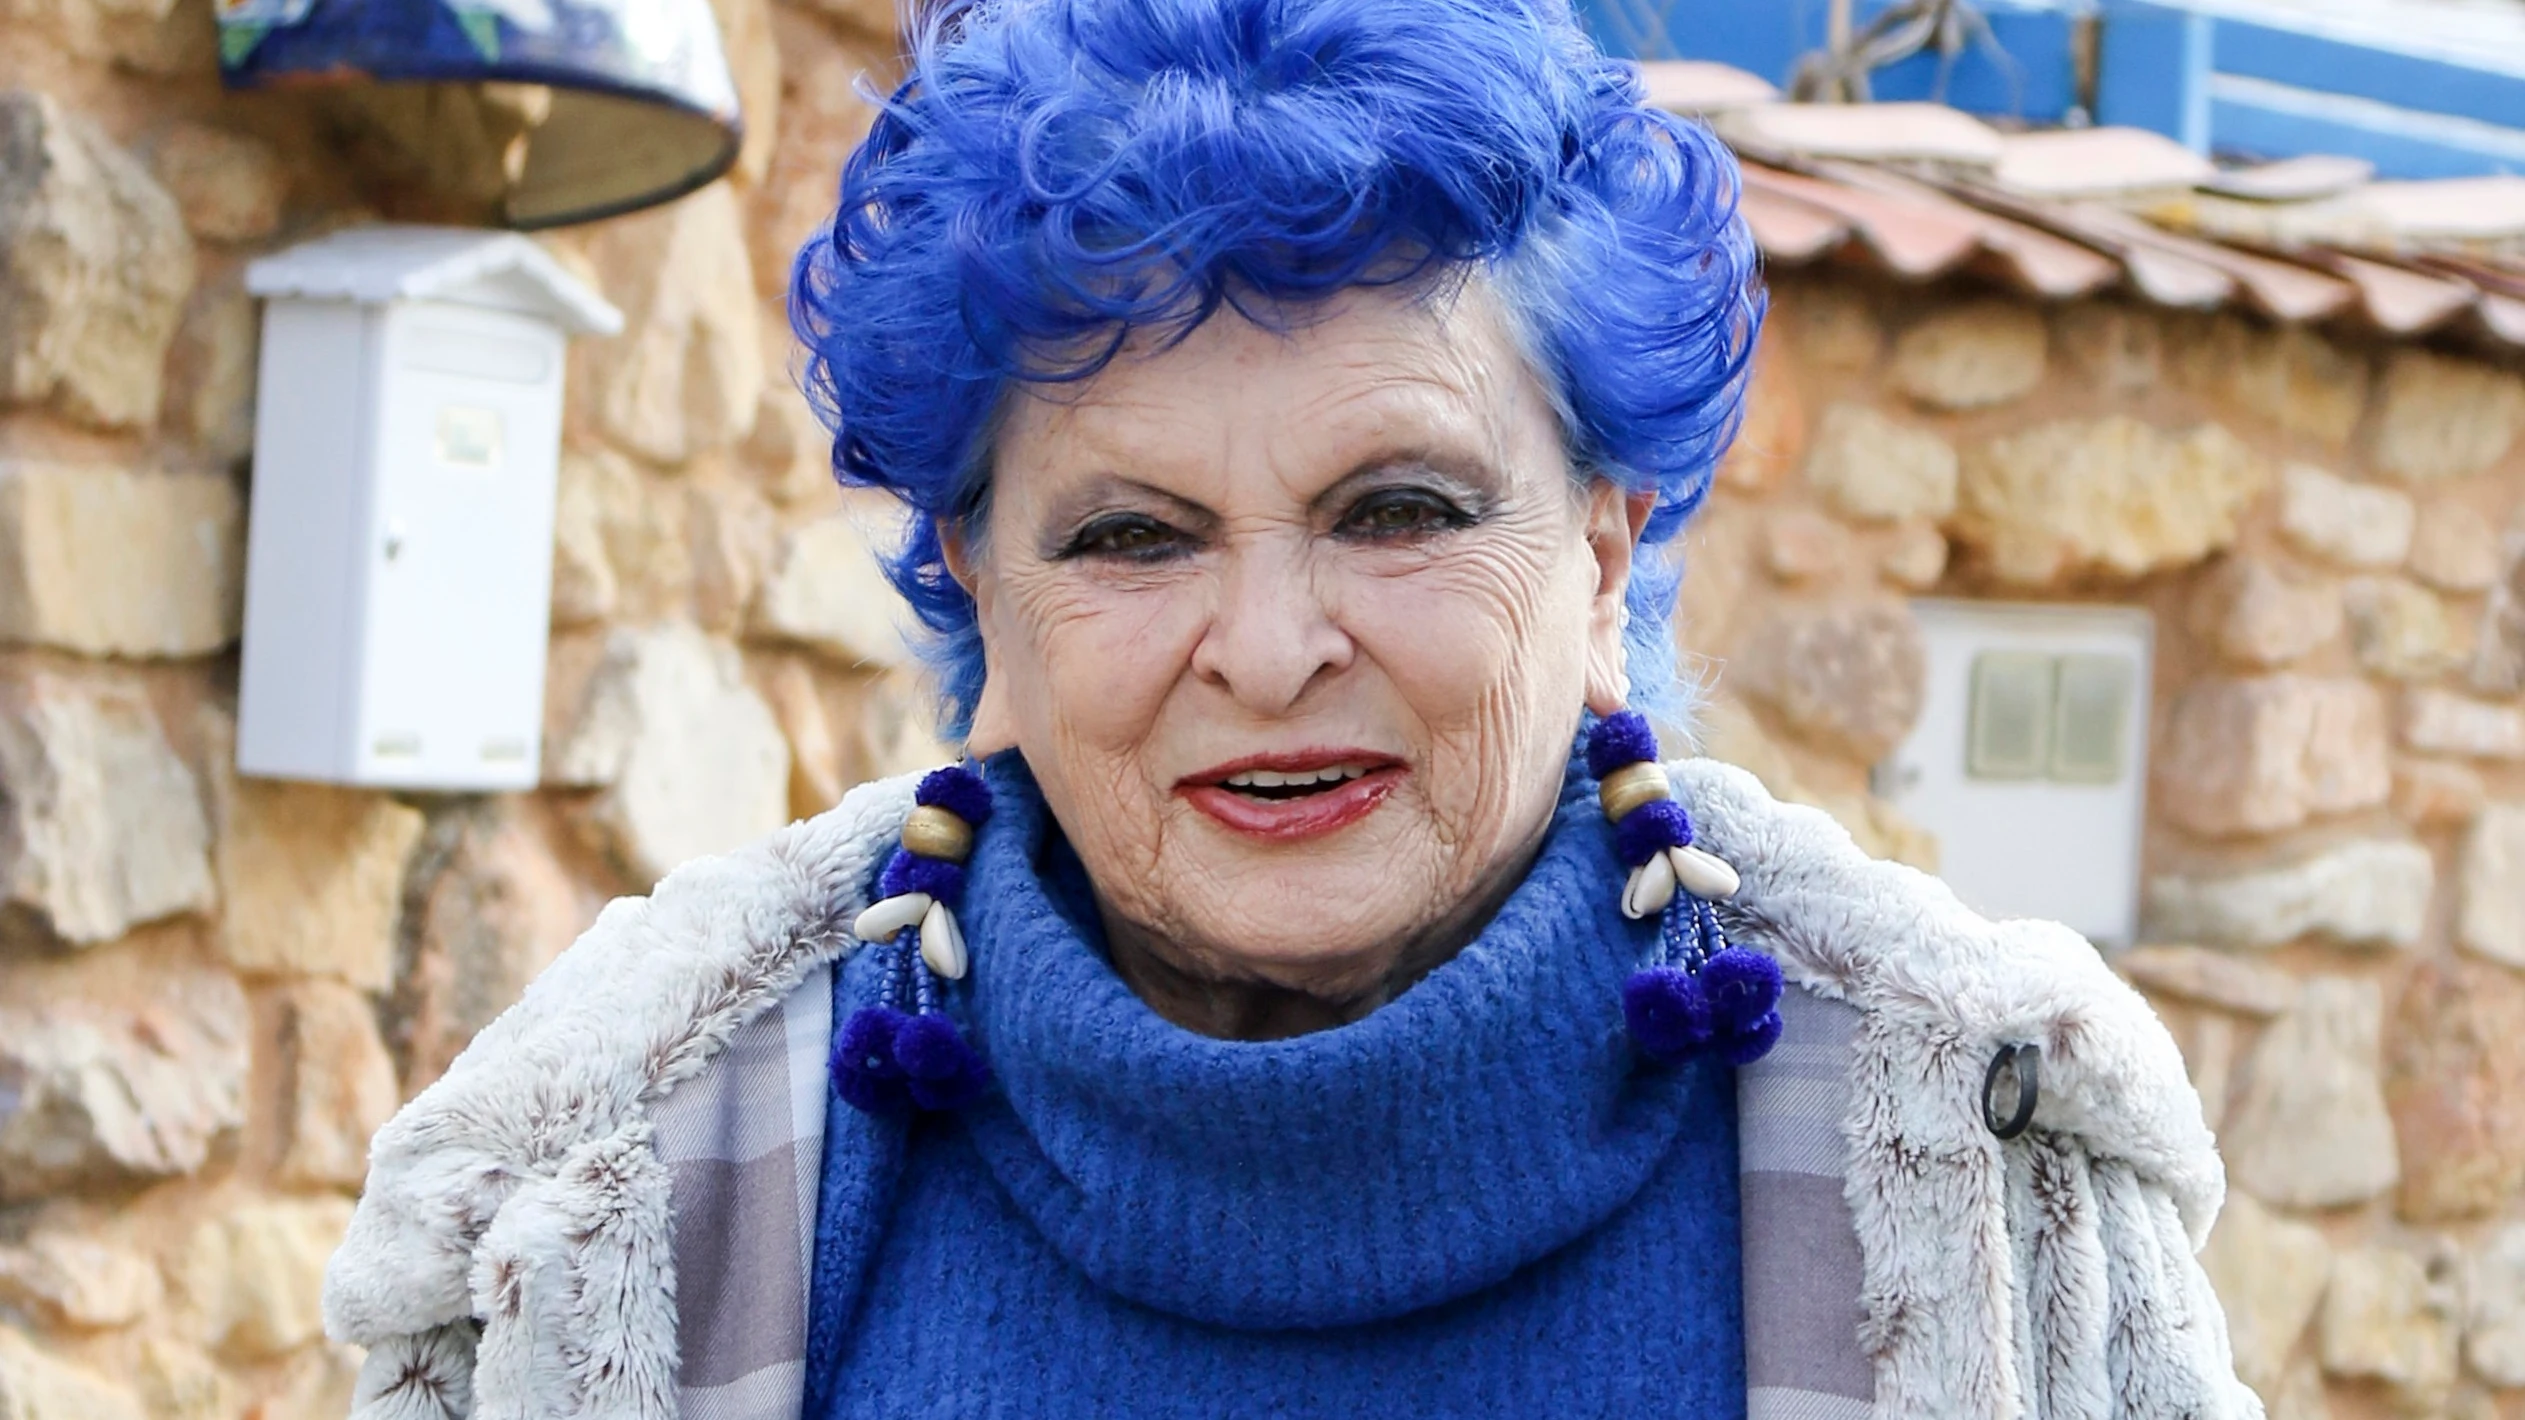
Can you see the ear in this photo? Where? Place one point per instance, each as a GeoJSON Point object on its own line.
{"type": "Point", "coordinates": [994, 729]}
{"type": "Point", "coordinates": [1615, 519]}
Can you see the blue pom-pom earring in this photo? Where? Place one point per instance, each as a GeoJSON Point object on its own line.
{"type": "Point", "coordinates": [904, 1053]}
{"type": "Point", "coordinates": [1698, 994]}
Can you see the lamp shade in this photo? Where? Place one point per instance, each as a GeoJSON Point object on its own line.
{"type": "Point", "coordinates": [641, 107]}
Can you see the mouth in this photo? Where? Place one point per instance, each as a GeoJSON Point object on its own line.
{"type": "Point", "coordinates": [1291, 796]}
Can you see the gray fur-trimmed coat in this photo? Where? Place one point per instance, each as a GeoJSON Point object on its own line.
{"type": "Point", "coordinates": [607, 1205]}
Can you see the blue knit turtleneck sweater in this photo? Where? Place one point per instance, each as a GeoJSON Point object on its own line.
{"type": "Point", "coordinates": [1472, 1203]}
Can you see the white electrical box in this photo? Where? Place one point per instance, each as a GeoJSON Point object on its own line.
{"type": "Point", "coordinates": [2029, 760]}
{"type": "Point", "coordinates": [407, 434]}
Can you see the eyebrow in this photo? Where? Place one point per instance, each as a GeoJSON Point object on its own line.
{"type": "Point", "coordinates": [1472, 478]}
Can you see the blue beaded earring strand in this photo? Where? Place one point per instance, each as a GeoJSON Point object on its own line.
{"type": "Point", "coordinates": [1698, 994]}
{"type": "Point", "coordinates": [904, 1053]}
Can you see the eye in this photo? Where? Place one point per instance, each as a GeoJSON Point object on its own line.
{"type": "Point", "coordinates": [1128, 537]}
{"type": "Point", "coordinates": [1392, 513]}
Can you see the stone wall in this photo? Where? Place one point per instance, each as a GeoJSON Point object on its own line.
{"type": "Point", "coordinates": [212, 989]}
{"type": "Point", "coordinates": [2331, 538]}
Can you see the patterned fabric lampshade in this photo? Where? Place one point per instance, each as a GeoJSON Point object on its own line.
{"type": "Point", "coordinates": [641, 108]}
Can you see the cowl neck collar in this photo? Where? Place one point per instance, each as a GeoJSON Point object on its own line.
{"type": "Point", "coordinates": [1483, 1119]}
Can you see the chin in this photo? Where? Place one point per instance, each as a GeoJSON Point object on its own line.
{"type": "Point", "coordinates": [1316, 932]}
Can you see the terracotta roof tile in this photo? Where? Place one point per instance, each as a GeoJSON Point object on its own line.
{"type": "Point", "coordinates": [1869, 132]}
{"type": "Point", "coordinates": [1697, 86]}
{"type": "Point", "coordinates": [2097, 162]}
{"type": "Point", "coordinates": [1921, 191]}
{"type": "Point", "coordinates": [1911, 238]}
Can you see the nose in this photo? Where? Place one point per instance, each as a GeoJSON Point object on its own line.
{"type": "Point", "coordinates": [1272, 635]}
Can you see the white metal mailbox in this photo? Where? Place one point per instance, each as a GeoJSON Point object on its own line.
{"type": "Point", "coordinates": [2029, 760]}
{"type": "Point", "coordinates": [407, 433]}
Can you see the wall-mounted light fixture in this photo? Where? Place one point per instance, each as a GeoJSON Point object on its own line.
{"type": "Point", "coordinates": [633, 104]}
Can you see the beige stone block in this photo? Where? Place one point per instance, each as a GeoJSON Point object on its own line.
{"type": "Point", "coordinates": [2256, 615]}
{"type": "Point", "coordinates": [1802, 545]}
{"type": "Point", "coordinates": [213, 367]}
{"type": "Point", "coordinates": [2109, 346]}
{"type": "Point", "coordinates": [255, 1274]}
{"type": "Point", "coordinates": [894, 722]}
{"type": "Point", "coordinates": [2350, 523]}
{"type": "Point", "coordinates": [1847, 675]}
{"type": "Point", "coordinates": [1773, 437]}
{"type": "Point", "coordinates": [790, 449]}
{"type": "Point", "coordinates": [102, 826]}
{"type": "Point", "coordinates": [338, 1082]}
{"type": "Point", "coordinates": [67, 1280]}
{"type": "Point", "coordinates": [493, 905]}
{"type": "Point", "coordinates": [733, 534]}
{"type": "Point", "coordinates": [2311, 1129]}
{"type": "Point", "coordinates": [107, 561]}
{"type": "Point", "coordinates": [687, 373]}
{"type": "Point", "coordinates": [311, 880]}
{"type": "Point", "coordinates": [2209, 1061]}
{"type": "Point", "coordinates": [2261, 753]}
{"type": "Point", "coordinates": [874, 18]}
{"type": "Point", "coordinates": [745, 36]}
{"type": "Point", "coordinates": [179, 1381]}
{"type": "Point", "coordinates": [2441, 722]}
{"type": "Point", "coordinates": [114, 1093]}
{"type": "Point", "coordinates": [2401, 630]}
{"type": "Point", "coordinates": [2494, 1308]}
{"type": "Point", "coordinates": [1972, 356]}
{"type": "Point", "coordinates": [2444, 417]}
{"type": "Point", "coordinates": [318, 1383]}
{"type": "Point", "coordinates": [2288, 377]}
{"type": "Point", "coordinates": [2428, 793]}
{"type": "Point", "coordinates": [2454, 548]}
{"type": "Point", "coordinates": [2491, 921]}
{"type": "Point", "coordinates": [94, 265]}
{"type": "Point", "coordinates": [821, 121]}
{"type": "Point", "coordinates": [2269, 1273]}
{"type": "Point", "coordinates": [2300, 1394]}
{"type": "Point", "coordinates": [2112, 495]}
{"type": "Point", "coordinates": [691, 758]}
{"type": "Point", "coordinates": [2384, 1319]}
{"type": "Point", "coordinates": [2371, 893]}
{"type": "Point", "coordinates": [1878, 469]}
{"type": "Point", "coordinates": [1833, 325]}
{"type": "Point", "coordinates": [584, 588]}
{"type": "Point", "coordinates": [827, 591]}
{"type": "Point", "coordinates": [818, 776]}
{"type": "Point", "coordinates": [1915, 557]}
{"type": "Point", "coordinates": [2498, 666]}
{"type": "Point", "coordinates": [36, 1386]}
{"type": "Point", "coordinates": [2455, 1080]}
{"type": "Point", "coordinates": [623, 544]}
{"type": "Point", "coordinates": [229, 186]}
{"type": "Point", "coordinates": [2209, 978]}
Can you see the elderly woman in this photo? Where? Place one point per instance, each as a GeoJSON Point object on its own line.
{"type": "Point", "coordinates": [1312, 996]}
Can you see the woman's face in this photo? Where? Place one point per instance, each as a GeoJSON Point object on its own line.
{"type": "Point", "coordinates": [1294, 630]}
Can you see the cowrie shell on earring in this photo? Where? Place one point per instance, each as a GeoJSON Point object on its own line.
{"type": "Point", "coordinates": [1651, 887]}
{"type": "Point", "coordinates": [942, 942]}
{"type": "Point", "coordinates": [883, 919]}
{"type": "Point", "coordinates": [1704, 875]}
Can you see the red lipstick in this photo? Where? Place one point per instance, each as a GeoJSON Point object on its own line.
{"type": "Point", "coordinates": [1288, 813]}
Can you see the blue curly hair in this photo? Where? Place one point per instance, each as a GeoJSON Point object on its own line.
{"type": "Point", "coordinates": [1053, 175]}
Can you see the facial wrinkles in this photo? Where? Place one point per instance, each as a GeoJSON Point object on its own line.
{"type": "Point", "coordinates": [1461, 653]}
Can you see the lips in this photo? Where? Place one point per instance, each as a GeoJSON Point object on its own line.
{"type": "Point", "coordinates": [1289, 796]}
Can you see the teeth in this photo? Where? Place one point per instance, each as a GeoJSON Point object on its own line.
{"type": "Point", "coordinates": [1276, 779]}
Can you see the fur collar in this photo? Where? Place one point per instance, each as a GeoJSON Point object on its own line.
{"type": "Point", "coordinates": [657, 986]}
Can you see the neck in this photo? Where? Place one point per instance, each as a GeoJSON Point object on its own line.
{"type": "Point", "coordinates": [1216, 995]}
